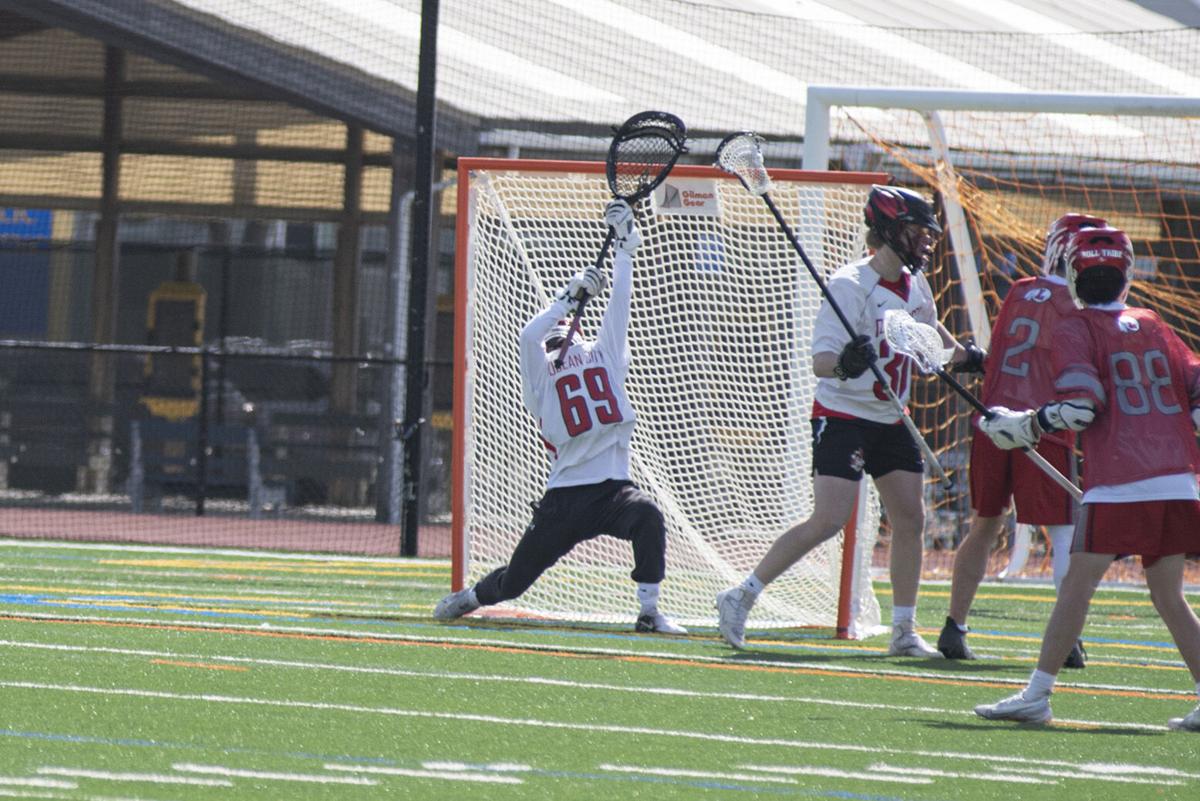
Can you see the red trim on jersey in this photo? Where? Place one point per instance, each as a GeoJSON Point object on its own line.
{"type": "Point", "coordinates": [821, 411]}
{"type": "Point", "coordinates": [899, 287]}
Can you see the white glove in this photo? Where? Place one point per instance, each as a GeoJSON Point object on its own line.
{"type": "Point", "coordinates": [620, 218]}
{"type": "Point", "coordinates": [1009, 429]}
{"type": "Point", "coordinates": [1075, 414]}
{"type": "Point", "coordinates": [583, 286]}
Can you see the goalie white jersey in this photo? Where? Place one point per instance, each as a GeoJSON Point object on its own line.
{"type": "Point", "coordinates": [864, 298]}
{"type": "Point", "coordinates": [585, 417]}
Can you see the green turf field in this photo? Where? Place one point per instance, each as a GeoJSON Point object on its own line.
{"type": "Point", "coordinates": [176, 674]}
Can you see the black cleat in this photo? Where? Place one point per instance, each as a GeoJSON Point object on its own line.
{"type": "Point", "coordinates": [1077, 658]}
{"type": "Point", "coordinates": [952, 642]}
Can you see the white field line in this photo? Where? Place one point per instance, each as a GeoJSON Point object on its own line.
{"type": "Point", "coordinates": [238, 773]}
{"type": "Point", "coordinates": [54, 784]}
{"type": "Point", "coordinates": [197, 589]}
{"type": "Point", "coordinates": [1100, 777]}
{"type": "Point", "coordinates": [947, 774]}
{"type": "Point", "coordinates": [202, 552]}
{"type": "Point", "coordinates": [498, 767]}
{"type": "Point", "coordinates": [478, 677]}
{"type": "Point", "coordinates": [448, 775]}
{"type": "Point", "coordinates": [149, 778]}
{"type": "Point", "coordinates": [353, 634]}
{"type": "Point", "coordinates": [592, 727]}
{"type": "Point", "coordinates": [696, 774]}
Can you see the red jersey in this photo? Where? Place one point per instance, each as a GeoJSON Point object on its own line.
{"type": "Point", "coordinates": [1144, 381]}
{"type": "Point", "coordinates": [1019, 371]}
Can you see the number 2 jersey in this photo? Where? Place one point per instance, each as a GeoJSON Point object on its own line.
{"type": "Point", "coordinates": [1019, 372]}
{"type": "Point", "coordinates": [1144, 382]}
{"type": "Point", "coordinates": [585, 417]}
{"type": "Point", "coordinates": [864, 297]}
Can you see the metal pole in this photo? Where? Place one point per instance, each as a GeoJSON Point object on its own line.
{"type": "Point", "coordinates": [416, 380]}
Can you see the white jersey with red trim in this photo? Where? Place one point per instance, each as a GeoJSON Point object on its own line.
{"type": "Point", "coordinates": [864, 298]}
{"type": "Point", "coordinates": [585, 417]}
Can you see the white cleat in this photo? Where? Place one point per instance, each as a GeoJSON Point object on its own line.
{"type": "Point", "coordinates": [456, 604]}
{"type": "Point", "coordinates": [1189, 722]}
{"type": "Point", "coordinates": [733, 607]}
{"type": "Point", "coordinates": [906, 642]}
{"type": "Point", "coordinates": [1017, 708]}
{"type": "Point", "coordinates": [658, 623]}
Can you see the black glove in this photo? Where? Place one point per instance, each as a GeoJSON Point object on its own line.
{"type": "Point", "coordinates": [974, 361]}
{"type": "Point", "coordinates": [855, 358]}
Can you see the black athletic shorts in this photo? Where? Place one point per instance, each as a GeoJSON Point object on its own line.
{"type": "Point", "coordinates": [846, 447]}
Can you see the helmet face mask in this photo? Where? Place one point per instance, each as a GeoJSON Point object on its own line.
{"type": "Point", "coordinates": [1092, 256]}
{"type": "Point", "coordinates": [896, 216]}
{"type": "Point", "coordinates": [554, 338]}
{"type": "Point", "coordinates": [1058, 236]}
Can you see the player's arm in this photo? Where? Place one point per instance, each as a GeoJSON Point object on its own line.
{"type": "Point", "coordinates": [614, 326]}
{"type": "Point", "coordinates": [835, 354]}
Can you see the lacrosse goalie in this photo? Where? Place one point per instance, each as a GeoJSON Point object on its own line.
{"type": "Point", "coordinates": [586, 423]}
{"type": "Point", "coordinates": [1131, 386]}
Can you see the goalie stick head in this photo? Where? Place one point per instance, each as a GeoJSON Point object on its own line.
{"type": "Point", "coordinates": [643, 150]}
{"type": "Point", "coordinates": [1098, 265]}
{"type": "Point", "coordinates": [740, 154]}
{"type": "Point", "coordinates": [1059, 234]}
{"type": "Point", "coordinates": [889, 213]}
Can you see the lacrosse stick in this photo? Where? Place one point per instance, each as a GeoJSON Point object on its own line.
{"type": "Point", "coordinates": [740, 154]}
{"type": "Point", "coordinates": [923, 344]}
{"type": "Point", "coordinates": [642, 153]}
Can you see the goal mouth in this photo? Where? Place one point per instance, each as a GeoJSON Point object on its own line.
{"type": "Point", "coordinates": [723, 438]}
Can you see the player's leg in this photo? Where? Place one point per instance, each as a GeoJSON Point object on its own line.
{"type": "Point", "coordinates": [970, 568]}
{"type": "Point", "coordinates": [1032, 704]}
{"type": "Point", "coordinates": [1040, 501]}
{"type": "Point", "coordinates": [901, 493]}
{"type": "Point", "coordinates": [1164, 577]}
{"type": "Point", "coordinates": [991, 494]}
{"type": "Point", "coordinates": [633, 515]}
{"type": "Point", "coordinates": [838, 467]}
{"type": "Point", "coordinates": [562, 519]}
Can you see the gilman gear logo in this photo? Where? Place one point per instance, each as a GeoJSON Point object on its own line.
{"type": "Point", "coordinates": [695, 197]}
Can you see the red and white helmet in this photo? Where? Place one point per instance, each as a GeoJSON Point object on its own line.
{"type": "Point", "coordinates": [1059, 234]}
{"type": "Point", "coordinates": [889, 209]}
{"type": "Point", "coordinates": [1091, 248]}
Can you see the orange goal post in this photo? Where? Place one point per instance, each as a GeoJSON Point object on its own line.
{"type": "Point", "coordinates": [721, 381]}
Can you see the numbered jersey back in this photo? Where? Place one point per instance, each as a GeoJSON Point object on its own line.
{"type": "Point", "coordinates": [1020, 371]}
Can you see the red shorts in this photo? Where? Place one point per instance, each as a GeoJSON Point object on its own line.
{"type": "Point", "coordinates": [1150, 529]}
{"type": "Point", "coordinates": [998, 476]}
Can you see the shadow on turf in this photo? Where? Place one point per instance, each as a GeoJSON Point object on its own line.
{"type": "Point", "coordinates": [993, 725]}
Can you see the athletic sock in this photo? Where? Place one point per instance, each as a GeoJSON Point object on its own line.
{"type": "Point", "coordinates": [753, 585]}
{"type": "Point", "coordinates": [1198, 689]}
{"type": "Point", "coordinates": [904, 614]}
{"type": "Point", "coordinates": [648, 597]}
{"type": "Point", "coordinates": [1060, 543]}
{"type": "Point", "coordinates": [1041, 684]}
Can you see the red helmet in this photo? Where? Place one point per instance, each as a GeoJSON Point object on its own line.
{"type": "Point", "coordinates": [889, 209]}
{"type": "Point", "coordinates": [1059, 234]}
{"type": "Point", "coordinates": [1097, 247]}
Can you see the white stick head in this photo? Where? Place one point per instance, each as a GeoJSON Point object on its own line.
{"type": "Point", "coordinates": [741, 154]}
{"type": "Point", "coordinates": [918, 341]}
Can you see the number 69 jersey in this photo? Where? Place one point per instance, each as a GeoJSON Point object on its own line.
{"type": "Point", "coordinates": [585, 417]}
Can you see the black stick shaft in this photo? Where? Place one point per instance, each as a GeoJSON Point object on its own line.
{"type": "Point", "coordinates": [574, 329]}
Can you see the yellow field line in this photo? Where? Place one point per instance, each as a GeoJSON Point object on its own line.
{"type": "Point", "coordinates": [235, 668]}
{"type": "Point", "coordinates": [329, 568]}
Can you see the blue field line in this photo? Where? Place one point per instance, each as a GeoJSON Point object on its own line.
{"type": "Point", "coordinates": [1088, 639]}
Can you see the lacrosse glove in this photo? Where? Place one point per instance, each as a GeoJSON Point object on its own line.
{"type": "Point", "coordinates": [855, 358]}
{"type": "Point", "coordinates": [974, 361]}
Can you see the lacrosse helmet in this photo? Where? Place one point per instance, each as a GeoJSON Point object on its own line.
{"type": "Point", "coordinates": [1098, 265]}
{"type": "Point", "coordinates": [890, 210]}
{"type": "Point", "coordinates": [1059, 234]}
{"type": "Point", "coordinates": [555, 336]}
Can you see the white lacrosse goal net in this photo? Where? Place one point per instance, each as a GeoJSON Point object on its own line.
{"type": "Point", "coordinates": [721, 381]}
